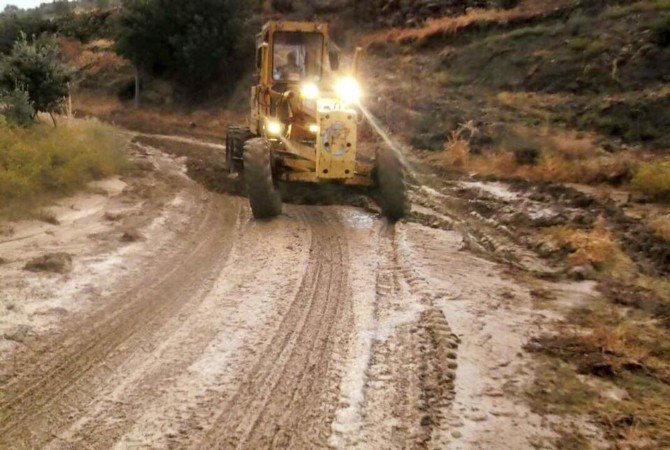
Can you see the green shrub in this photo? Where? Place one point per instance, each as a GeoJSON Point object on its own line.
{"type": "Point", "coordinates": [578, 44]}
{"type": "Point", "coordinates": [653, 179]}
{"type": "Point", "coordinates": [15, 106]}
{"type": "Point", "coordinates": [194, 40]}
{"type": "Point", "coordinates": [661, 32]}
{"type": "Point", "coordinates": [42, 162]}
{"type": "Point", "coordinates": [36, 68]}
{"type": "Point", "coordinates": [507, 4]}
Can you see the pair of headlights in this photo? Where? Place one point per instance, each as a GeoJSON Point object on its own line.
{"type": "Point", "coordinates": [347, 89]}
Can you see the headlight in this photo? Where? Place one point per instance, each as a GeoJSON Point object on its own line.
{"type": "Point", "coordinates": [274, 127]}
{"type": "Point", "coordinates": [348, 90]}
{"type": "Point", "coordinates": [313, 128]}
{"type": "Point", "coordinates": [309, 91]}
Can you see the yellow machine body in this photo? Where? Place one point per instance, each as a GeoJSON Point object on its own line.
{"type": "Point", "coordinates": [335, 141]}
{"type": "Point", "coordinates": [318, 139]}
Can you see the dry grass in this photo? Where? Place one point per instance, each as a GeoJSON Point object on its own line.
{"type": "Point", "coordinates": [450, 26]}
{"type": "Point", "coordinates": [96, 60]}
{"type": "Point", "coordinates": [531, 103]}
{"type": "Point", "coordinates": [204, 123]}
{"type": "Point", "coordinates": [653, 179]}
{"type": "Point", "coordinates": [541, 155]}
{"type": "Point", "coordinates": [44, 162]}
{"type": "Point", "coordinates": [556, 389]}
{"type": "Point", "coordinates": [456, 150]}
{"type": "Point", "coordinates": [622, 361]}
{"type": "Point", "coordinates": [598, 247]}
{"type": "Point", "coordinates": [618, 11]}
{"type": "Point", "coordinates": [661, 227]}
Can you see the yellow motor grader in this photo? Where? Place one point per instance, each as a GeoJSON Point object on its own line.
{"type": "Point", "coordinates": [303, 123]}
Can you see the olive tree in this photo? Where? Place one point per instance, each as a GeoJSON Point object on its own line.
{"type": "Point", "coordinates": [35, 67]}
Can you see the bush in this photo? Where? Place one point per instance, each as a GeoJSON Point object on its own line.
{"type": "Point", "coordinates": [15, 23]}
{"type": "Point", "coordinates": [193, 40]}
{"type": "Point", "coordinates": [661, 32]}
{"type": "Point", "coordinates": [42, 161]}
{"type": "Point", "coordinates": [15, 106]}
{"type": "Point", "coordinates": [86, 26]}
{"type": "Point", "coordinates": [36, 68]}
{"type": "Point", "coordinates": [508, 4]}
{"type": "Point", "coordinates": [653, 179]}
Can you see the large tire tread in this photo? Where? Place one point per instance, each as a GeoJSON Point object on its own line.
{"type": "Point", "coordinates": [390, 179]}
{"type": "Point", "coordinates": [264, 196]}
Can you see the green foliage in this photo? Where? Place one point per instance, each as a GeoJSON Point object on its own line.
{"type": "Point", "coordinates": [634, 118]}
{"type": "Point", "coordinates": [13, 23]}
{"type": "Point", "coordinates": [578, 44]}
{"type": "Point", "coordinates": [15, 106]}
{"type": "Point", "coordinates": [85, 26]}
{"type": "Point", "coordinates": [529, 32]}
{"type": "Point", "coordinates": [61, 7]}
{"type": "Point", "coordinates": [193, 40]}
{"type": "Point", "coordinates": [43, 161]}
{"type": "Point", "coordinates": [661, 32]}
{"type": "Point", "coordinates": [36, 68]}
{"type": "Point", "coordinates": [653, 179]}
{"type": "Point", "coordinates": [507, 4]}
{"type": "Point", "coordinates": [93, 19]}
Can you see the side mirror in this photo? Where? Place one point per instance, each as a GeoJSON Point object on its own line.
{"type": "Point", "coordinates": [334, 58]}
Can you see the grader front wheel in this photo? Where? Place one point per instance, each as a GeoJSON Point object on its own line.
{"type": "Point", "coordinates": [390, 179]}
{"type": "Point", "coordinates": [264, 196]}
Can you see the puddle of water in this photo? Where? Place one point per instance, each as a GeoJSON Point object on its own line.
{"type": "Point", "coordinates": [496, 189]}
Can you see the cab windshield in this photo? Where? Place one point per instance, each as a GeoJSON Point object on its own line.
{"type": "Point", "coordinates": [297, 56]}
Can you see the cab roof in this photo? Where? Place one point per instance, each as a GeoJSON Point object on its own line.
{"type": "Point", "coordinates": [299, 26]}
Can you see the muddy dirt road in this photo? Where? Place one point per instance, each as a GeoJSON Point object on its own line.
{"type": "Point", "coordinates": [326, 327]}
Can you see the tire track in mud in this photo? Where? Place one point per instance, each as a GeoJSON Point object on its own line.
{"type": "Point", "coordinates": [442, 209]}
{"type": "Point", "coordinates": [59, 374]}
{"type": "Point", "coordinates": [147, 383]}
{"type": "Point", "coordinates": [411, 374]}
{"type": "Point", "coordinates": [289, 398]}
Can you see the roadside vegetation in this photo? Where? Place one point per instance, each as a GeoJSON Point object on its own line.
{"type": "Point", "coordinates": [544, 91]}
{"type": "Point", "coordinates": [190, 41]}
{"type": "Point", "coordinates": [42, 162]}
{"type": "Point", "coordinates": [34, 79]}
{"type": "Point", "coordinates": [568, 100]}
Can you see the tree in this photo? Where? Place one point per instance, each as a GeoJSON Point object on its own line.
{"type": "Point", "coordinates": [192, 40]}
{"type": "Point", "coordinates": [15, 106]}
{"type": "Point", "coordinates": [31, 22]}
{"type": "Point", "coordinates": [35, 68]}
{"type": "Point", "coordinates": [11, 9]}
{"type": "Point", "coordinates": [61, 7]}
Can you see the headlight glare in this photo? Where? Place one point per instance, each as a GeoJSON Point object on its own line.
{"type": "Point", "coordinates": [348, 90]}
{"type": "Point", "coordinates": [309, 91]}
{"type": "Point", "coordinates": [274, 127]}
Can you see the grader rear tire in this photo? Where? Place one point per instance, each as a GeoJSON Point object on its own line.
{"type": "Point", "coordinates": [264, 196]}
{"type": "Point", "coordinates": [390, 179]}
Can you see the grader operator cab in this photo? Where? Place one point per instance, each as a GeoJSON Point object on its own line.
{"type": "Point", "coordinates": [303, 123]}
